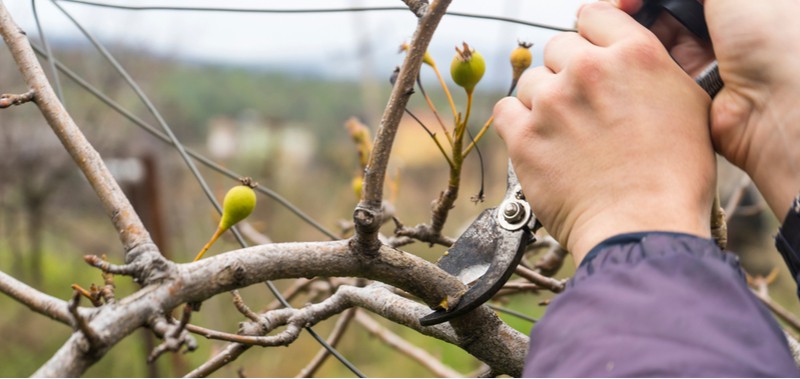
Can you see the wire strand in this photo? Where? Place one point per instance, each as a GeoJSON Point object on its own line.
{"type": "Point", "coordinates": [50, 64]}
{"type": "Point", "coordinates": [163, 137]}
{"type": "Point", "coordinates": [316, 10]}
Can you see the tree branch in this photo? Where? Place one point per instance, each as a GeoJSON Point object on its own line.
{"type": "Point", "coordinates": [393, 340]}
{"type": "Point", "coordinates": [368, 215]}
{"type": "Point", "coordinates": [36, 301]}
{"type": "Point", "coordinates": [554, 285]}
{"type": "Point", "coordinates": [481, 332]}
{"type": "Point", "coordinates": [130, 228]}
{"type": "Point", "coordinates": [418, 7]}
{"type": "Point", "coordinates": [333, 340]}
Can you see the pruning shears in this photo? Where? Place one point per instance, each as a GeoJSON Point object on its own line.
{"type": "Point", "coordinates": [486, 254]}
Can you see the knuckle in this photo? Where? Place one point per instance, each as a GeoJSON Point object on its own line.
{"type": "Point", "coordinates": [589, 68]}
{"type": "Point", "coordinates": [643, 48]}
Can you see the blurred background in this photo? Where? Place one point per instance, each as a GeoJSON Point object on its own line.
{"type": "Point", "coordinates": [265, 95]}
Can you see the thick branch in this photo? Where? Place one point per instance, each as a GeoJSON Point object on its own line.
{"type": "Point", "coordinates": [131, 231]}
{"type": "Point", "coordinates": [481, 333]}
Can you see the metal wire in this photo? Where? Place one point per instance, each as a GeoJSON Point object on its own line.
{"type": "Point", "coordinates": [164, 138]}
{"type": "Point", "coordinates": [513, 313]}
{"type": "Point", "coordinates": [50, 64]}
{"type": "Point", "coordinates": [193, 168]}
{"type": "Point", "coordinates": [316, 10]}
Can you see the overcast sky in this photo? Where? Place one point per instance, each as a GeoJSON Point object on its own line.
{"type": "Point", "coordinates": [333, 44]}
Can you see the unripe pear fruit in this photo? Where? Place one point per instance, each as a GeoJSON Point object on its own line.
{"type": "Point", "coordinates": [521, 58]}
{"type": "Point", "coordinates": [238, 203]}
{"type": "Point", "coordinates": [467, 68]}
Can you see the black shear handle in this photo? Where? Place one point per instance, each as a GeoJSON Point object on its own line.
{"type": "Point", "coordinates": [687, 12]}
{"type": "Point", "coordinates": [691, 15]}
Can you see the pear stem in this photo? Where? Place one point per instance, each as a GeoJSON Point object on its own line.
{"type": "Point", "coordinates": [479, 135]}
{"type": "Point", "coordinates": [446, 90]}
{"type": "Point", "coordinates": [210, 242]}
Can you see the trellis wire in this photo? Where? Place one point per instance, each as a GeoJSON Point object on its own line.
{"type": "Point", "coordinates": [163, 137]}
{"type": "Point", "coordinates": [51, 65]}
{"type": "Point", "coordinates": [315, 10]}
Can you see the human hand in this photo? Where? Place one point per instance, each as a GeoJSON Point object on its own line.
{"type": "Point", "coordinates": [610, 136]}
{"type": "Point", "coordinates": [754, 119]}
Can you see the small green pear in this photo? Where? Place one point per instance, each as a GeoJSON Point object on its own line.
{"type": "Point", "coordinates": [467, 68]}
{"type": "Point", "coordinates": [238, 203]}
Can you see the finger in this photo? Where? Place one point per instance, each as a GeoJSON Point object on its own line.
{"type": "Point", "coordinates": [530, 83]}
{"type": "Point", "coordinates": [629, 6]}
{"type": "Point", "coordinates": [509, 117]}
{"type": "Point", "coordinates": [560, 49]}
{"type": "Point", "coordinates": [603, 24]}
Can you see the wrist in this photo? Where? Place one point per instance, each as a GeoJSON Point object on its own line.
{"type": "Point", "coordinates": [774, 163]}
{"type": "Point", "coordinates": [652, 214]}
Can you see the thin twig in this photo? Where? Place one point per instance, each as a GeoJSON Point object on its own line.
{"type": "Point", "coordinates": [433, 137]}
{"type": "Point", "coordinates": [9, 99]}
{"type": "Point", "coordinates": [779, 311]}
{"type": "Point", "coordinates": [435, 112]}
{"type": "Point", "coordinates": [480, 134]}
{"type": "Point", "coordinates": [93, 296]}
{"type": "Point", "coordinates": [175, 335]}
{"type": "Point", "coordinates": [238, 302]}
{"type": "Point", "coordinates": [736, 197]}
{"type": "Point", "coordinates": [36, 301]}
{"type": "Point", "coordinates": [333, 340]}
{"type": "Point", "coordinates": [553, 259]}
{"type": "Point", "coordinates": [410, 350]}
{"type": "Point", "coordinates": [540, 280]}
{"type": "Point", "coordinates": [224, 357]}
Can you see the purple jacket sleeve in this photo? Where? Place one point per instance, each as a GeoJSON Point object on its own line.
{"type": "Point", "coordinates": [658, 304]}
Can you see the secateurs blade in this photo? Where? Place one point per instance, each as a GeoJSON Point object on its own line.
{"type": "Point", "coordinates": [487, 253]}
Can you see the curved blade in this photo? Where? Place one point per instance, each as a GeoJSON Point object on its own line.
{"type": "Point", "coordinates": [485, 251]}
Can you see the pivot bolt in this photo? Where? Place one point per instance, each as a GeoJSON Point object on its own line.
{"type": "Point", "coordinates": [513, 212]}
